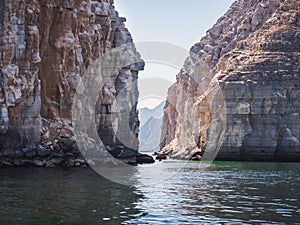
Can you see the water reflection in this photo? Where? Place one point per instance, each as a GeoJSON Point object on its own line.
{"type": "Point", "coordinates": [231, 193]}
{"type": "Point", "coordinates": [64, 196]}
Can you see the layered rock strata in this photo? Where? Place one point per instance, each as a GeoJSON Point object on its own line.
{"type": "Point", "coordinates": [46, 47]}
{"type": "Point", "coordinates": [253, 54]}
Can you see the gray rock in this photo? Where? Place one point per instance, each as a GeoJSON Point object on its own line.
{"type": "Point", "coordinates": [43, 151]}
{"type": "Point", "coordinates": [30, 151]}
{"type": "Point", "coordinates": [252, 54]}
{"type": "Point", "coordinates": [39, 163]}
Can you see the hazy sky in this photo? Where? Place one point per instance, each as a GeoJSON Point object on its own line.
{"type": "Point", "coordinates": [178, 22]}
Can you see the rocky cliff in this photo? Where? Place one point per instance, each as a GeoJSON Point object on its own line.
{"type": "Point", "coordinates": [251, 57]}
{"type": "Point", "coordinates": [46, 47]}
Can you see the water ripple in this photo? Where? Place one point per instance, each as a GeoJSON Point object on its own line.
{"type": "Point", "coordinates": [239, 193]}
{"type": "Point", "coordinates": [223, 193]}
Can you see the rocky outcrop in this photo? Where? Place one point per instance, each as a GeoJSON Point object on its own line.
{"type": "Point", "coordinates": [253, 55]}
{"type": "Point", "coordinates": [46, 47]}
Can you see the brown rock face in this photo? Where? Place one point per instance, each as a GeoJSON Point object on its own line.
{"type": "Point", "coordinates": [20, 85]}
{"type": "Point", "coordinates": [253, 52]}
{"type": "Point", "coordinates": [46, 47]}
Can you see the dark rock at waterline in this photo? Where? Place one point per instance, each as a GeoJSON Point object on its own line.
{"type": "Point", "coordinates": [42, 162]}
{"type": "Point", "coordinates": [122, 152]}
{"type": "Point", "coordinates": [197, 156]}
{"type": "Point", "coordinates": [29, 151]}
{"type": "Point", "coordinates": [130, 156]}
{"type": "Point", "coordinates": [161, 156]}
{"type": "Point", "coordinates": [12, 153]}
{"type": "Point", "coordinates": [129, 161]}
{"type": "Point", "coordinates": [144, 159]}
{"type": "Point", "coordinates": [42, 151]}
{"type": "Point", "coordinates": [39, 163]}
{"type": "Point", "coordinates": [41, 156]}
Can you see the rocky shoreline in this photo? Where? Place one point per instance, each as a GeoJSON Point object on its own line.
{"type": "Point", "coordinates": [40, 156]}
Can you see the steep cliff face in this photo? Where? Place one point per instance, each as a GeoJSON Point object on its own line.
{"type": "Point", "coordinates": [46, 47]}
{"type": "Point", "coordinates": [253, 54]}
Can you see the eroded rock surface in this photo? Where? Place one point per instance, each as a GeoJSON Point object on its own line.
{"type": "Point", "coordinates": [46, 47]}
{"type": "Point", "coordinates": [253, 54]}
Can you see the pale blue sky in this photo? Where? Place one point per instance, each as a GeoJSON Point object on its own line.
{"type": "Point", "coordinates": [181, 22]}
{"type": "Point", "coordinates": [177, 22]}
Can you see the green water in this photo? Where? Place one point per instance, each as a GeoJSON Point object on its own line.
{"type": "Point", "coordinates": [223, 193]}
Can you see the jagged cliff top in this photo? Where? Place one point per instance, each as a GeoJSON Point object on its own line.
{"type": "Point", "coordinates": [242, 19]}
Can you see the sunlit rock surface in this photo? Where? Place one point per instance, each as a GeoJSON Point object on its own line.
{"type": "Point", "coordinates": [46, 47]}
{"type": "Point", "coordinates": [253, 53]}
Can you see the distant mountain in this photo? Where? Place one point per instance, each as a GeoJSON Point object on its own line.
{"type": "Point", "coordinates": [150, 127]}
{"type": "Point", "coordinates": [145, 113]}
